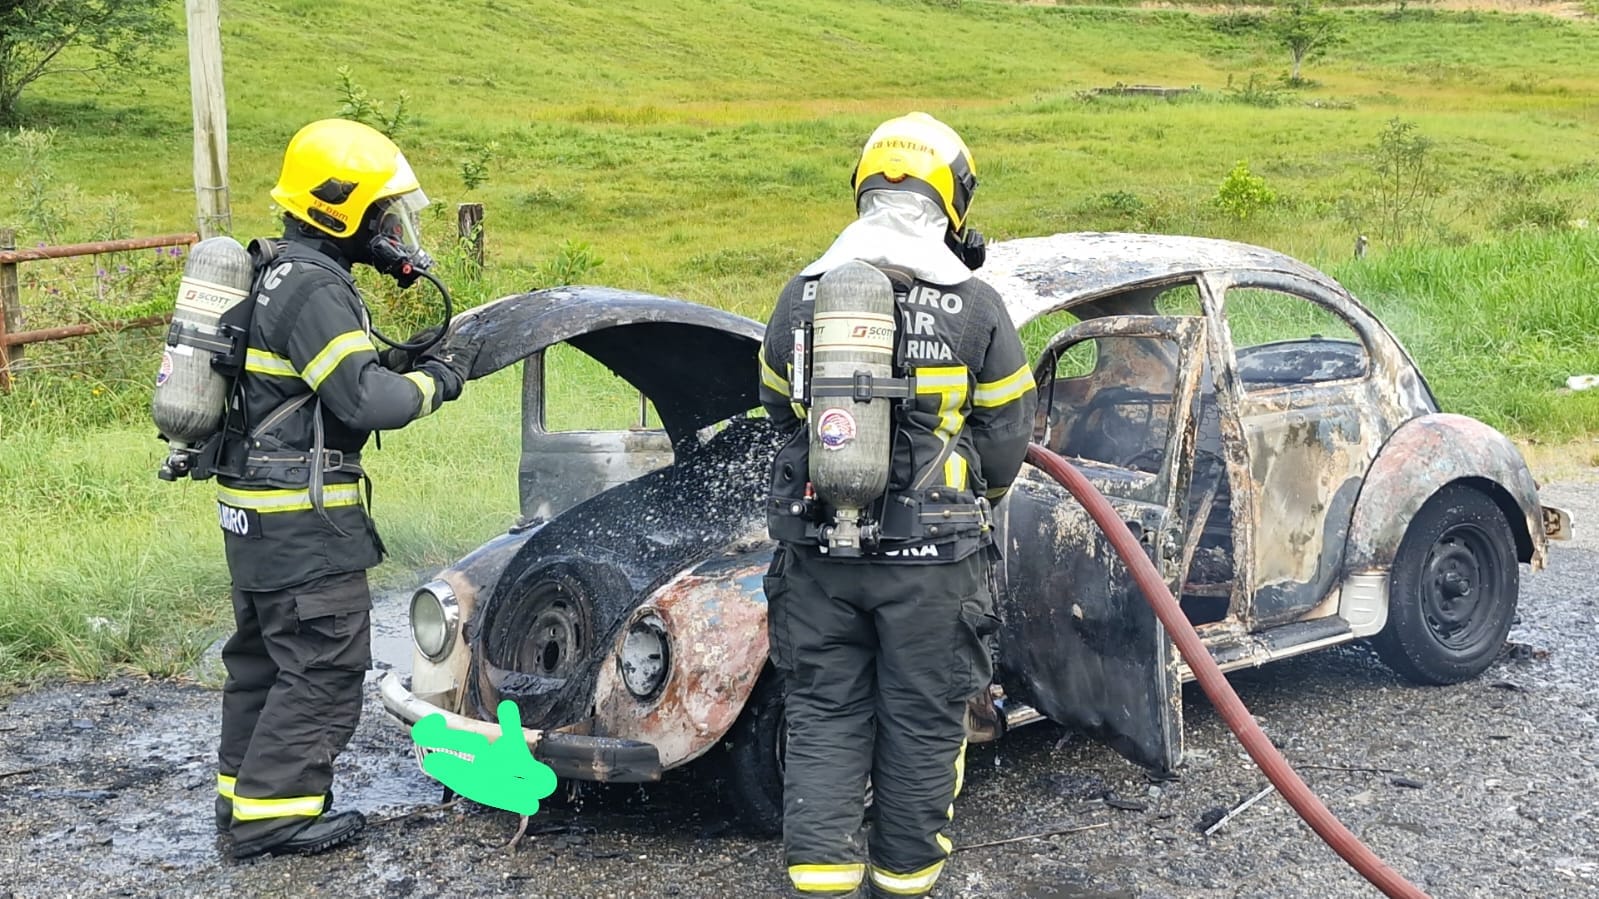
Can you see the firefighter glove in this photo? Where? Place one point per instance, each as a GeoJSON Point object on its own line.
{"type": "Point", "coordinates": [449, 370]}
{"type": "Point", "coordinates": [400, 360]}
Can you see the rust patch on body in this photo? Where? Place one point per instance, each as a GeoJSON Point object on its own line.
{"type": "Point", "coordinates": [717, 627]}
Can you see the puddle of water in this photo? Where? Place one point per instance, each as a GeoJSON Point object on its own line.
{"type": "Point", "coordinates": [391, 632]}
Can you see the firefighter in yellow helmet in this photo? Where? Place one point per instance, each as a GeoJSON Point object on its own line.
{"type": "Point", "coordinates": [298, 538]}
{"type": "Point", "coordinates": [880, 653]}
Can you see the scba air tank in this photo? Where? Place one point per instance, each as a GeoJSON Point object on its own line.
{"type": "Point", "coordinates": [852, 336]}
{"type": "Point", "coordinates": [191, 395]}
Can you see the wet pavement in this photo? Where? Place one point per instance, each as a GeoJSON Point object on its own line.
{"type": "Point", "coordinates": [1486, 789]}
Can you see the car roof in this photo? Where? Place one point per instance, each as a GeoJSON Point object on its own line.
{"type": "Point", "coordinates": [1036, 275]}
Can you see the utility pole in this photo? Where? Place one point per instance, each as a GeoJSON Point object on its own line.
{"type": "Point", "coordinates": [213, 213]}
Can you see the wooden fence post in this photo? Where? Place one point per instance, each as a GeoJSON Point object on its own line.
{"type": "Point", "coordinates": [213, 209]}
{"type": "Point", "coordinates": [469, 224]}
{"type": "Point", "coordinates": [10, 306]}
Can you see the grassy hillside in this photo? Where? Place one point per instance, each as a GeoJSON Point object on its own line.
{"type": "Point", "coordinates": [703, 151]}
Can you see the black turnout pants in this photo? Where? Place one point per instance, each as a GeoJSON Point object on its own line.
{"type": "Point", "coordinates": [878, 660]}
{"type": "Point", "coordinates": [292, 698]}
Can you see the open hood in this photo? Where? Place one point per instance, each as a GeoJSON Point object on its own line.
{"type": "Point", "coordinates": [698, 365]}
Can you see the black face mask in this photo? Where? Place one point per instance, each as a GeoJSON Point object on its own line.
{"type": "Point", "coordinates": [968, 246]}
{"type": "Point", "coordinates": [387, 255]}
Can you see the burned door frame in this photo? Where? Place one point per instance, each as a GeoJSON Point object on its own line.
{"type": "Point", "coordinates": [1340, 449]}
{"type": "Point", "coordinates": [1100, 660]}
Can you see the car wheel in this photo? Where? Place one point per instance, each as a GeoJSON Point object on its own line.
{"type": "Point", "coordinates": [550, 618]}
{"type": "Point", "coordinates": [1452, 592]}
{"type": "Point", "coordinates": [759, 736]}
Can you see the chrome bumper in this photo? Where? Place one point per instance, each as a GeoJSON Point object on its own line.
{"type": "Point", "coordinates": [575, 756]}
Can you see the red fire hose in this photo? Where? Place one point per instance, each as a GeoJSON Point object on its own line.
{"type": "Point", "coordinates": [1215, 685]}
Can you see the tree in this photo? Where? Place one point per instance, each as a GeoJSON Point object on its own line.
{"type": "Point", "coordinates": [1405, 178]}
{"type": "Point", "coordinates": [1304, 28]}
{"type": "Point", "coordinates": [102, 35]}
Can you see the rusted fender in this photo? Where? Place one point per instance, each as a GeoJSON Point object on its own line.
{"type": "Point", "coordinates": [715, 617]}
{"type": "Point", "coordinates": [1422, 456]}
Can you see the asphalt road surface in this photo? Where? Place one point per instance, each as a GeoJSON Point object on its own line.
{"type": "Point", "coordinates": [1486, 789]}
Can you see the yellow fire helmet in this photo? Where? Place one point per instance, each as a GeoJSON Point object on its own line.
{"type": "Point", "coordinates": [335, 169]}
{"type": "Point", "coordinates": [917, 152]}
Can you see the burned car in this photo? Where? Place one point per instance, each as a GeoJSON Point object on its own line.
{"type": "Point", "coordinates": [1273, 447]}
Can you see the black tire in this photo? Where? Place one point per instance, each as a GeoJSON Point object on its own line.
{"type": "Point", "coordinates": [756, 757]}
{"type": "Point", "coordinates": [1452, 593]}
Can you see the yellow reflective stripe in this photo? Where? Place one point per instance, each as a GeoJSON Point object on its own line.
{"type": "Point", "coordinates": [337, 350]}
{"type": "Point", "coordinates": [826, 878]}
{"type": "Point", "coordinates": [949, 384]}
{"type": "Point", "coordinates": [425, 383]}
{"type": "Point", "coordinates": [945, 844]}
{"type": "Point", "coordinates": [798, 410]}
{"type": "Point", "coordinates": [772, 379]}
{"type": "Point", "coordinates": [955, 471]}
{"type": "Point", "coordinates": [960, 771]}
{"type": "Point", "coordinates": [1006, 389]}
{"type": "Point", "coordinates": [268, 501]}
{"type": "Point", "coordinates": [912, 884]}
{"type": "Point", "coordinates": [225, 785]}
{"type": "Point", "coordinates": [264, 363]}
{"type": "Point", "coordinates": [247, 809]}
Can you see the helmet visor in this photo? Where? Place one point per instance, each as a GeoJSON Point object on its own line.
{"type": "Point", "coordinates": [400, 218]}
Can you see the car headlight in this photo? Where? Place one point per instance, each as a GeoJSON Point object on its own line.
{"type": "Point", "coordinates": [646, 656]}
{"type": "Point", "coordinates": [434, 618]}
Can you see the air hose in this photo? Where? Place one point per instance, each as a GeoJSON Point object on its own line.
{"type": "Point", "coordinates": [1214, 683]}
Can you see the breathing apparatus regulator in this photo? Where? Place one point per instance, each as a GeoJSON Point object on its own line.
{"type": "Point", "coordinates": [343, 182]}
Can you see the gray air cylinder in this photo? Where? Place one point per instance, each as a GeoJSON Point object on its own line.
{"type": "Point", "coordinates": [190, 395]}
{"type": "Point", "coordinates": [853, 334]}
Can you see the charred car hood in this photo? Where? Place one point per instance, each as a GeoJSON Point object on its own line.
{"type": "Point", "coordinates": [695, 363]}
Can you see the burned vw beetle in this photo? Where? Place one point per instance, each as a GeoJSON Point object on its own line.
{"type": "Point", "coordinates": [1274, 448]}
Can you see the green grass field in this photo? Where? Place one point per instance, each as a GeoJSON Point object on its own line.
{"type": "Point", "coordinates": [704, 153]}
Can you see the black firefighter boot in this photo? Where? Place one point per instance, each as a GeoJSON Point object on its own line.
{"type": "Point", "coordinates": [319, 834]}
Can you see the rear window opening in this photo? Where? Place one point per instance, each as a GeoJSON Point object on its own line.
{"type": "Point", "coordinates": [581, 394]}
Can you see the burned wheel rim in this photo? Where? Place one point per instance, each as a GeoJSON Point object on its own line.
{"type": "Point", "coordinates": [556, 638]}
{"type": "Point", "coordinates": [1458, 583]}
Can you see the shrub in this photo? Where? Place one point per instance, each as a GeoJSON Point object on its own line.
{"type": "Point", "coordinates": [1533, 212]}
{"type": "Point", "coordinates": [359, 106]}
{"type": "Point", "coordinates": [1242, 193]}
{"type": "Point", "coordinates": [1257, 91]}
